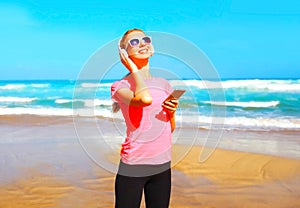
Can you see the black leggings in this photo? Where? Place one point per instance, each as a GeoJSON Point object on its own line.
{"type": "Point", "coordinates": [157, 188]}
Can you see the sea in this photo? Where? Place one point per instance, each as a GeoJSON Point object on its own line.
{"type": "Point", "coordinates": [259, 104]}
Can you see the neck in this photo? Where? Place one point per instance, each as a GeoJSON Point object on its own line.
{"type": "Point", "coordinates": [142, 65]}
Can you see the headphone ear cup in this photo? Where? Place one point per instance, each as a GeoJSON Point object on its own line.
{"type": "Point", "coordinates": [151, 50]}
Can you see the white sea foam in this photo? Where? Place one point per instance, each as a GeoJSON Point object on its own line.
{"type": "Point", "coordinates": [12, 86]}
{"type": "Point", "coordinates": [95, 85]}
{"type": "Point", "coordinates": [16, 99]}
{"type": "Point", "coordinates": [266, 85]}
{"type": "Point", "coordinates": [87, 103]}
{"type": "Point", "coordinates": [282, 123]}
{"type": "Point", "coordinates": [36, 111]}
{"type": "Point", "coordinates": [241, 122]}
{"type": "Point", "coordinates": [197, 121]}
{"type": "Point", "coordinates": [284, 87]}
{"type": "Point", "coordinates": [40, 85]}
{"type": "Point", "coordinates": [85, 112]}
{"type": "Point", "coordinates": [250, 104]}
{"type": "Point", "coordinates": [201, 84]}
{"type": "Point", "coordinates": [90, 85]}
{"type": "Point", "coordinates": [251, 84]}
{"type": "Point", "coordinates": [97, 102]}
{"type": "Point", "coordinates": [62, 101]}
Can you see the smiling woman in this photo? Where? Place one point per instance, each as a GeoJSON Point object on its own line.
{"type": "Point", "coordinates": [150, 121]}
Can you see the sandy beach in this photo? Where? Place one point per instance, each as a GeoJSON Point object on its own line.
{"type": "Point", "coordinates": [44, 164]}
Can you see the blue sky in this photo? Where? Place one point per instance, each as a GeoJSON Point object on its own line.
{"type": "Point", "coordinates": [242, 38]}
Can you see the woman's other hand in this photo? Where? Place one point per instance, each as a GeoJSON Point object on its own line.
{"type": "Point", "coordinates": [126, 60]}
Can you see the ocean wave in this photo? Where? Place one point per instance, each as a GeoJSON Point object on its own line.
{"type": "Point", "coordinates": [201, 121]}
{"type": "Point", "coordinates": [283, 87]}
{"type": "Point", "coordinates": [87, 102]}
{"type": "Point", "coordinates": [36, 111]}
{"type": "Point", "coordinates": [12, 86]}
{"type": "Point", "coordinates": [201, 84]}
{"type": "Point", "coordinates": [241, 122]}
{"type": "Point", "coordinates": [280, 123]}
{"type": "Point", "coordinates": [94, 85]}
{"type": "Point", "coordinates": [16, 99]}
{"type": "Point", "coordinates": [251, 84]}
{"type": "Point", "coordinates": [250, 104]}
{"type": "Point", "coordinates": [84, 112]}
{"type": "Point", "coordinates": [265, 85]}
{"type": "Point", "coordinates": [40, 85]}
{"type": "Point", "coordinates": [62, 101]}
{"type": "Point", "coordinates": [22, 86]}
{"type": "Point", "coordinates": [99, 102]}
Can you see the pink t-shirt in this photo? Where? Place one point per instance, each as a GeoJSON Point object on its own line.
{"type": "Point", "coordinates": [148, 132]}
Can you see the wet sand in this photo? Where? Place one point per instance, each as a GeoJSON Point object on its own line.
{"type": "Point", "coordinates": [44, 164]}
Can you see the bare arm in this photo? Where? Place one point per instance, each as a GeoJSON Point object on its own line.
{"type": "Point", "coordinates": [141, 95]}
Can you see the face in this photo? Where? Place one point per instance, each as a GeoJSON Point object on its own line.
{"type": "Point", "coordinates": [138, 45]}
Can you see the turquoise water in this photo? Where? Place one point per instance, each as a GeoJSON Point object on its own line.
{"type": "Point", "coordinates": [244, 103]}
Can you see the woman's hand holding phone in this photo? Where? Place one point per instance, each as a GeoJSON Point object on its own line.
{"type": "Point", "coordinates": [171, 102]}
{"type": "Point", "coordinates": [170, 105]}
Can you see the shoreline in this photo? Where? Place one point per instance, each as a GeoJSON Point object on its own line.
{"type": "Point", "coordinates": [227, 179]}
{"type": "Point", "coordinates": [283, 143]}
{"type": "Point", "coordinates": [44, 164]}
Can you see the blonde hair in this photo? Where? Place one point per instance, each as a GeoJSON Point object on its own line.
{"type": "Point", "coordinates": [115, 107]}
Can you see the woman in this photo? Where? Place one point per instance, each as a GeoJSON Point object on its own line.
{"type": "Point", "coordinates": [150, 121]}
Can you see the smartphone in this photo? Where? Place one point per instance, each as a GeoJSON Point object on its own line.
{"type": "Point", "coordinates": [175, 94]}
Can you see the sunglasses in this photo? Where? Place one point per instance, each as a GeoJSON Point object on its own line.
{"type": "Point", "coordinates": [136, 41]}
